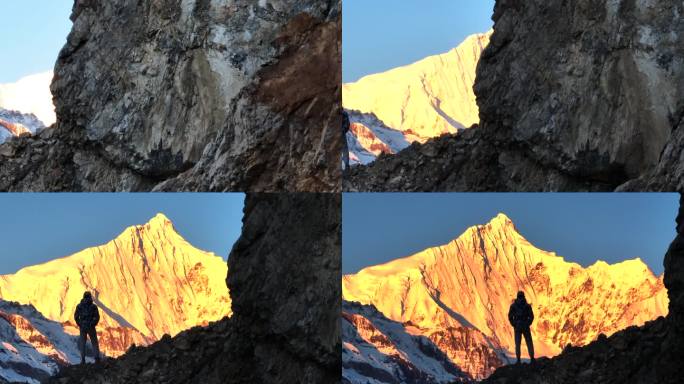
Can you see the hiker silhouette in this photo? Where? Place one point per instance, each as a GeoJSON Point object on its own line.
{"type": "Point", "coordinates": [87, 316]}
{"type": "Point", "coordinates": [520, 316]}
{"type": "Point", "coordinates": [345, 149]}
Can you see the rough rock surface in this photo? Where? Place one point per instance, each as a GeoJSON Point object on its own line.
{"type": "Point", "coordinates": [191, 95]}
{"type": "Point", "coordinates": [284, 281]}
{"type": "Point", "coordinates": [648, 354]}
{"type": "Point", "coordinates": [582, 95]}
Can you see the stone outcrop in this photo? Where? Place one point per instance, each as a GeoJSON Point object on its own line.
{"type": "Point", "coordinates": [648, 354]}
{"type": "Point", "coordinates": [284, 283]}
{"type": "Point", "coordinates": [573, 96]}
{"type": "Point", "coordinates": [198, 95]}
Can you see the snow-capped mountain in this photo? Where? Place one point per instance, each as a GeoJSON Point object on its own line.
{"type": "Point", "coordinates": [30, 95]}
{"type": "Point", "coordinates": [419, 101]}
{"type": "Point", "coordinates": [14, 123]}
{"type": "Point", "coordinates": [458, 295]}
{"type": "Point", "coordinates": [31, 346]}
{"type": "Point", "coordinates": [147, 282]}
{"type": "Point", "coordinates": [378, 350]}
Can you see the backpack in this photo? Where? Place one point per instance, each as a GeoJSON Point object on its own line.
{"type": "Point", "coordinates": [87, 316]}
{"type": "Point", "coordinates": [520, 315]}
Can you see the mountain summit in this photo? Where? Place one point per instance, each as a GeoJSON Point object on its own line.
{"type": "Point", "coordinates": [458, 294]}
{"type": "Point", "coordinates": [431, 97]}
{"type": "Point", "coordinates": [147, 282]}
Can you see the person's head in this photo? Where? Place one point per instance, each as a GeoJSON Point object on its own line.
{"type": "Point", "coordinates": [521, 295]}
{"type": "Point", "coordinates": [87, 296]}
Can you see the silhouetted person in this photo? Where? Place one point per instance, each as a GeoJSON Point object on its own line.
{"type": "Point", "coordinates": [520, 315]}
{"type": "Point", "coordinates": [87, 316]}
{"type": "Point", "coordinates": [345, 149]}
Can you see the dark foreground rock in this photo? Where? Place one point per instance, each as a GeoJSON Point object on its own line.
{"type": "Point", "coordinates": [574, 96]}
{"type": "Point", "coordinates": [648, 354]}
{"type": "Point", "coordinates": [284, 282]}
{"type": "Point", "coordinates": [197, 95]}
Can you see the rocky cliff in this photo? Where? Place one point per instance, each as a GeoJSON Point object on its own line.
{"type": "Point", "coordinates": [458, 295]}
{"type": "Point", "coordinates": [583, 95]}
{"type": "Point", "coordinates": [648, 354]}
{"type": "Point", "coordinates": [190, 95]}
{"type": "Point", "coordinates": [284, 281]}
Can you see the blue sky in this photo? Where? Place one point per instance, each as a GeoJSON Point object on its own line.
{"type": "Point", "coordinates": [580, 227]}
{"type": "Point", "coordinates": [33, 32]}
{"type": "Point", "coordinates": [35, 228]}
{"type": "Point", "coordinates": [379, 35]}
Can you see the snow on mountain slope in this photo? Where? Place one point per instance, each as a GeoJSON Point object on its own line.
{"type": "Point", "coordinates": [473, 279]}
{"type": "Point", "coordinates": [147, 282]}
{"type": "Point", "coordinates": [30, 95]}
{"type": "Point", "coordinates": [378, 350]}
{"type": "Point", "coordinates": [422, 100]}
{"type": "Point", "coordinates": [368, 137]}
{"type": "Point", "coordinates": [13, 123]}
{"type": "Point", "coordinates": [31, 346]}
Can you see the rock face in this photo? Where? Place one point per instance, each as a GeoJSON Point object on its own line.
{"type": "Point", "coordinates": [419, 101]}
{"type": "Point", "coordinates": [594, 102]}
{"type": "Point", "coordinates": [191, 95]}
{"type": "Point", "coordinates": [648, 354]}
{"type": "Point", "coordinates": [284, 281]}
{"type": "Point", "coordinates": [147, 282]}
{"type": "Point", "coordinates": [458, 295]}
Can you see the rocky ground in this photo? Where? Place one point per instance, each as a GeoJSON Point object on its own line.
{"type": "Point", "coordinates": [595, 102]}
{"type": "Point", "coordinates": [198, 96]}
{"type": "Point", "coordinates": [284, 280]}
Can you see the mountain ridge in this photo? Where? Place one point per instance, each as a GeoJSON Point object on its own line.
{"type": "Point", "coordinates": [468, 283]}
{"type": "Point", "coordinates": [418, 101]}
{"type": "Point", "coordinates": [148, 281]}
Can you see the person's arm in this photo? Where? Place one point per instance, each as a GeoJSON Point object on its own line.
{"type": "Point", "coordinates": [531, 313]}
{"type": "Point", "coordinates": [77, 317]}
{"type": "Point", "coordinates": [97, 316]}
{"type": "Point", "coordinates": [511, 318]}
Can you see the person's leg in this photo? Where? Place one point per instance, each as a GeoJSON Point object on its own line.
{"type": "Point", "coordinates": [528, 340]}
{"type": "Point", "coordinates": [93, 340]}
{"type": "Point", "coordinates": [517, 345]}
{"type": "Point", "coordinates": [82, 344]}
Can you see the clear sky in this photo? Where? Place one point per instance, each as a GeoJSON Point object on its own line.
{"type": "Point", "coordinates": [33, 33]}
{"type": "Point", "coordinates": [580, 227]}
{"type": "Point", "coordinates": [379, 35]}
{"type": "Point", "coordinates": [35, 228]}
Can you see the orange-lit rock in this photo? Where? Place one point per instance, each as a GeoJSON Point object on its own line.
{"type": "Point", "coordinates": [430, 97]}
{"type": "Point", "coordinates": [464, 288]}
{"type": "Point", "coordinates": [147, 282]}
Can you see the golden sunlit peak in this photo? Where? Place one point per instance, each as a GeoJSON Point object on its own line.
{"type": "Point", "coordinates": [157, 223]}
{"type": "Point", "coordinates": [501, 220]}
{"type": "Point", "coordinates": [160, 218]}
